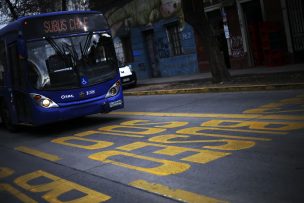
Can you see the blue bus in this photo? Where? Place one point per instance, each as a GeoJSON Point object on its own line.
{"type": "Point", "coordinates": [57, 66]}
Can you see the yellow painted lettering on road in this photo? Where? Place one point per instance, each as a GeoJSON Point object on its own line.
{"type": "Point", "coordinates": [225, 143]}
{"type": "Point", "coordinates": [254, 125]}
{"type": "Point", "coordinates": [94, 132]}
{"type": "Point", "coordinates": [165, 168]}
{"type": "Point", "coordinates": [199, 131]}
{"type": "Point", "coordinates": [16, 193]}
{"type": "Point", "coordinates": [56, 187]}
{"type": "Point", "coordinates": [278, 107]}
{"type": "Point", "coordinates": [200, 156]}
{"type": "Point", "coordinates": [95, 144]}
{"type": "Point", "coordinates": [293, 101]}
{"type": "Point", "coordinates": [177, 194]}
{"type": "Point", "coordinates": [6, 172]}
{"type": "Point", "coordinates": [38, 153]}
{"type": "Point", "coordinates": [171, 124]}
{"type": "Point", "coordinates": [132, 129]}
{"type": "Point", "coordinates": [87, 133]}
{"type": "Point", "coordinates": [245, 131]}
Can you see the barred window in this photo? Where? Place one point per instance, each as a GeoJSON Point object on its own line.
{"type": "Point", "coordinates": [174, 39]}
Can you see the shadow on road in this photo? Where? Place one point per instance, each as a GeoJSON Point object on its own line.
{"type": "Point", "coordinates": [63, 127]}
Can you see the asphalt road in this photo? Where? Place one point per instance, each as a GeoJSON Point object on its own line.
{"type": "Point", "coordinates": [217, 147]}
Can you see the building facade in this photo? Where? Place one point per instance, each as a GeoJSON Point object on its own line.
{"type": "Point", "coordinates": [151, 36]}
{"type": "Point", "coordinates": [260, 32]}
{"type": "Point", "coordinates": [159, 50]}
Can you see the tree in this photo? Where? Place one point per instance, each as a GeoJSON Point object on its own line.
{"type": "Point", "coordinates": [14, 9]}
{"type": "Point", "coordinates": [78, 5]}
{"type": "Point", "coordinates": [63, 5]}
{"type": "Point", "coordinates": [18, 8]}
{"type": "Point", "coordinates": [196, 17]}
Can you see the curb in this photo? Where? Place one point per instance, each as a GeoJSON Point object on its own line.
{"type": "Point", "coordinates": [236, 88]}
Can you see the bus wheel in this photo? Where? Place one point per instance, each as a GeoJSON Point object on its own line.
{"type": "Point", "coordinates": [6, 119]}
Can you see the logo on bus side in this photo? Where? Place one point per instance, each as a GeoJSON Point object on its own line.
{"type": "Point", "coordinates": [67, 96]}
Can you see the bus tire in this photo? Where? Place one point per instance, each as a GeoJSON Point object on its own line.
{"type": "Point", "coordinates": [6, 119]}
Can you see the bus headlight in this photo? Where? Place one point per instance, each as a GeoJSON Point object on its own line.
{"type": "Point", "coordinates": [114, 90]}
{"type": "Point", "coordinates": [43, 101]}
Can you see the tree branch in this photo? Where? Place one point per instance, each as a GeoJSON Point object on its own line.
{"type": "Point", "coordinates": [12, 9]}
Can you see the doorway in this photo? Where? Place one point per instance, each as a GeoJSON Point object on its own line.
{"type": "Point", "coordinates": [151, 55]}
{"type": "Point", "coordinates": [252, 18]}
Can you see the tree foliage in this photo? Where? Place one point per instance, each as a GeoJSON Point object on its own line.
{"type": "Point", "coordinates": [12, 9]}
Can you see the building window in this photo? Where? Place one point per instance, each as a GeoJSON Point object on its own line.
{"type": "Point", "coordinates": [174, 39]}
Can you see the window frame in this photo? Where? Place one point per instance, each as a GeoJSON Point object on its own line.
{"type": "Point", "coordinates": [174, 38]}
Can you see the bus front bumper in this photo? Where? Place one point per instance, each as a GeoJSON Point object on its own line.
{"type": "Point", "coordinates": [43, 116]}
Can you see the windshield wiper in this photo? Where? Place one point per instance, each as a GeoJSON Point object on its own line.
{"type": "Point", "coordinates": [56, 47]}
{"type": "Point", "coordinates": [84, 50]}
{"type": "Point", "coordinates": [61, 51]}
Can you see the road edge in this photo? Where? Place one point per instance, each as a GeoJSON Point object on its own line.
{"type": "Point", "coordinates": [226, 88]}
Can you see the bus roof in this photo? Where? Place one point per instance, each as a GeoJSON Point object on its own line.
{"type": "Point", "coordinates": [18, 24]}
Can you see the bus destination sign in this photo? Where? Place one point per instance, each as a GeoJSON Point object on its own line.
{"type": "Point", "coordinates": [63, 24]}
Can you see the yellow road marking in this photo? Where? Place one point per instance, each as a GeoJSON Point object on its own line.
{"type": "Point", "coordinates": [225, 144]}
{"type": "Point", "coordinates": [200, 156]}
{"type": "Point", "coordinates": [37, 153]}
{"type": "Point", "coordinates": [197, 131]}
{"type": "Point", "coordinates": [164, 168]}
{"type": "Point", "coordinates": [255, 125]}
{"type": "Point", "coordinates": [5, 172]}
{"type": "Point", "coordinates": [170, 124]}
{"type": "Point", "coordinates": [95, 144]}
{"type": "Point", "coordinates": [177, 194]}
{"type": "Point", "coordinates": [197, 115]}
{"type": "Point", "coordinates": [288, 111]}
{"type": "Point", "coordinates": [22, 197]}
{"type": "Point", "coordinates": [93, 132]}
{"type": "Point", "coordinates": [121, 134]}
{"type": "Point", "coordinates": [127, 129]}
{"type": "Point", "coordinates": [246, 131]}
{"type": "Point", "coordinates": [57, 187]}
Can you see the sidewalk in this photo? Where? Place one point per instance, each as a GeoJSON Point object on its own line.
{"type": "Point", "coordinates": [252, 79]}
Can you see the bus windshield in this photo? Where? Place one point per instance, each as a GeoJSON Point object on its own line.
{"type": "Point", "coordinates": [71, 62]}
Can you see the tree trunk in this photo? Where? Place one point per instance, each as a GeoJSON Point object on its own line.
{"type": "Point", "coordinates": [63, 5]}
{"type": "Point", "coordinates": [195, 15]}
{"type": "Point", "coordinates": [12, 9]}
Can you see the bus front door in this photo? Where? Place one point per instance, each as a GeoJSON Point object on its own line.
{"type": "Point", "coordinates": [19, 109]}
